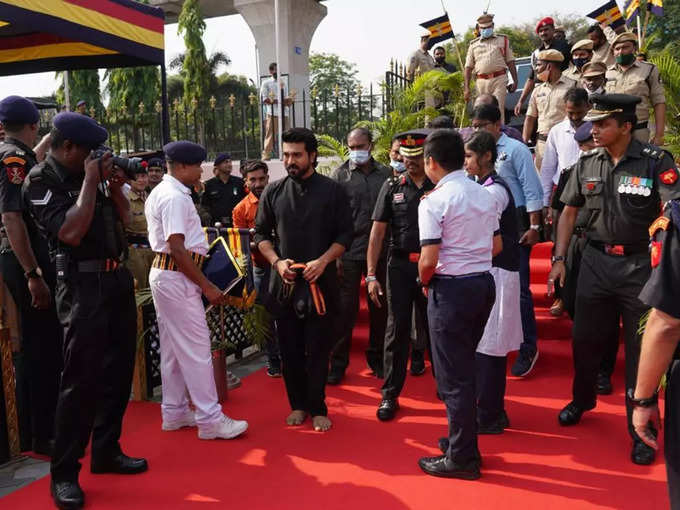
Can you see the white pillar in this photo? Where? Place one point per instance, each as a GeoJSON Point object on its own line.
{"type": "Point", "coordinates": [298, 22]}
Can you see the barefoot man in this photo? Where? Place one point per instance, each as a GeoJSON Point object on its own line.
{"type": "Point", "coordinates": [303, 225]}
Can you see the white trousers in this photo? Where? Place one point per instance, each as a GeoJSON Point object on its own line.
{"type": "Point", "coordinates": [186, 362]}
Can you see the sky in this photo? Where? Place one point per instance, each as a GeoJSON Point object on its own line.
{"type": "Point", "coordinates": [366, 32]}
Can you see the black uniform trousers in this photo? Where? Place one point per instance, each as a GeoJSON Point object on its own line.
{"type": "Point", "coordinates": [608, 288]}
{"type": "Point", "coordinates": [41, 352]}
{"type": "Point", "coordinates": [99, 316]}
{"type": "Point", "coordinates": [350, 287]}
{"type": "Point", "coordinates": [491, 371]}
{"type": "Point", "coordinates": [672, 433]}
{"type": "Point", "coordinates": [457, 311]}
{"type": "Point", "coordinates": [403, 293]}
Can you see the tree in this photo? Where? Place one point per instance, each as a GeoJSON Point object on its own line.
{"type": "Point", "coordinates": [213, 63]}
{"type": "Point", "coordinates": [667, 27]}
{"type": "Point", "coordinates": [195, 64]}
{"type": "Point", "coordinates": [326, 70]}
{"type": "Point", "coordinates": [83, 85]}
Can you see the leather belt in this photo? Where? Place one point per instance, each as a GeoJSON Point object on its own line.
{"type": "Point", "coordinates": [138, 239]}
{"type": "Point", "coordinates": [97, 265]}
{"type": "Point", "coordinates": [165, 261]}
{"type": "Point", "coordinates": [542, 138]}
{"type": "Point", "coordinates": [641, 125]}
{"type": "Point", "coordinates": [317, 295]}
{"type": "Point", "coordinates": [491, 75]}
{"type": "Point", "coordinates": [619, 250]}
{"type": "Point", "coordinates": [458, 276]}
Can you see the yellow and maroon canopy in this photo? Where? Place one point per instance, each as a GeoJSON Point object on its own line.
{"type": "Point", "coordinates": [38, 35]}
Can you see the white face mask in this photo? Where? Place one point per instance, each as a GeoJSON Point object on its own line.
{"type": "Point", "coordinates": [359, 157]}
{"type": "Point", "coordinates": [598, 90]}
{"type": "Point", "coordinates": [398, 166]}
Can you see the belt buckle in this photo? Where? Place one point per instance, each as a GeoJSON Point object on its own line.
{"type": "Point", "coordinates": [614, 249]}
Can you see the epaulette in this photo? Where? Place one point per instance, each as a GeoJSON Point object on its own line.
{"type": "Point", "coordinates": [590, 153]}
{"type": "Point", "coordinates": [661, 223]}
{"type": "Point", "coordinates": [36, 173]}
{"type": "Point", "coordinates": [475, 40]}
{"type": "Point", "coordinates": [653, 152]}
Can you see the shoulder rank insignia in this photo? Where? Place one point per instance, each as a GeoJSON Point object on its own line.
{"type": "Point", "coordinates": [15, 168]}
{"type": "Point", "coordinates": [655, 254]}
{"type": "Point", "coordinates": [402, 180]}
{"type": "Point", "coordinates": [661, 223]}
{"type": "Point", "coordinates": [669, 177]}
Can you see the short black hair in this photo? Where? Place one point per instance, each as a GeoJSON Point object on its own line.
{"type": "Point", "coordinates": [595, 28]}
{"type": "Point", "coordinates": [446, 147]}
{"type": "Point", "coordinates": [441, 122]}
{"type": "Point", "coordinates": [272, 66]}
{"type": "Point", "coordinates": [577, 96]}
{"type": "Point", "coordinates": [439, 48]}
{"type": "Point", "coordinates": [622, 118]}
{"type": "Point", "coordinates": [364, 131]}
{"type": "Point", "coordinates": [494, 99]}
{"type": "Point", "coordinates": [253, 166]}
{"type": "Point", "coordinates": [303, 135]}
{"type": "Point", "coordinates": [482, 142]}
{"type": "Point", "coordinates": [488, 112]}
{"type": "Point", "coordinates": [57, 138]}
{"type": "Point", "coordinates": [13, 127]}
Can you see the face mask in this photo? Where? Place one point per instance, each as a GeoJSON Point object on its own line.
{"type": "Point", "coordinates": [598, 90]}
{"type": "Point", "coordinates": [486, 32]}
{"type": "Point", "coordinates": [580, 62]}
{"type": "Point", "coordinates": [398, 166]}
{"type": "Point", "coordinates": [359, 157]}
{"type": "Point", "coordinates": [440, 60]}
{"type": "Point", "coordinates": [625, 60]}
{"type": "Point", "coordinates": [543, 75]}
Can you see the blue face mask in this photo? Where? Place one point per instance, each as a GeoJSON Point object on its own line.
{"type": "Point", "coordinates": [398, 166]}
{"type": "Point", "coordinates": [359, 157]}
{"type": "Point", "coordinates": [580, 62]}
{"type": "Point", "coordinates": [486, 32]}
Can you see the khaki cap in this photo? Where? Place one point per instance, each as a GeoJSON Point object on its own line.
{"type": "Point", "coordinates": [485, 20]}
{"type": "Point", "coordinates": [625, 37]}
{"type": "Point", "coordinates": [583, 44]}
{"type": "Point", "coordinates": [593, 69]}
{"type": "Point", "coordinates": [551, 56]}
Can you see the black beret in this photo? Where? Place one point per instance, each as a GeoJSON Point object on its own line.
{"type": "Point", "coordinates": [155, 163]}
{"type": "Point", "coordinates": [18, 110]}
{"type": "Point", "coordinates": [222, 156]}
{"type": "Point", "coordinates": [80, 129]}
{"type": "Point", "coordinates": [185, 152]}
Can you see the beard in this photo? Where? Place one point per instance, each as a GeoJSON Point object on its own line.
{"type": "Point", "coordinates": [296, 173]}
{"type": "Point", "coordinates": [258, 191]}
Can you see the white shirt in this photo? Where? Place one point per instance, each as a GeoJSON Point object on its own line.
{"type": "Point", "coordinates": [499, 195]}
{"type": "Point", "coordinates": [460, 215]}
{"type": "Point", "coordinates": [561, 151]}
{"type": "Point", "coordinates": [169, 210]}
{"type": "Point", "coordinates": [268, 89]}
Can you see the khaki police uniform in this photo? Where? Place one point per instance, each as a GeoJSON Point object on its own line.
{"type": "Point", "coordinates": [419, 62]}
{"type": "Point", "coordinates": [604, 54]}
{"type": "Point", "coordinates": [641, 79]}
{"type": "Point", "coordinates": [140, 255]}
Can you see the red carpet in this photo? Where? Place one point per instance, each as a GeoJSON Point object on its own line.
{"type": "Point", "coordinates": [364, 464]}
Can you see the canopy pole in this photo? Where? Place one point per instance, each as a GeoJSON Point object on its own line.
{"type": "Point", "coordinates": [279, 140]}
{"type": "Point", "coordinates": [165, 117]}
{"type": "Point", "coordinates": [67, 92]}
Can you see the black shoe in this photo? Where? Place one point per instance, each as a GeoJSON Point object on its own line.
{"type": "Point", "coordinates": [274, 368]}
{"type": "Point", "coordinates": [417, 362]}
{"type": "Point", "coordinates": [43, 447]}
{"type": "Point", "coordinates": [120, 464]}
{"type": "Point", "coordinates": [388, 409]}
{"type": "Point", "coordinates": [604, 384]}
{"type": "Point", "coordinates": [495, 427]}
{"type": "Point", "coordinates": [335, 376]}
{"type": "Point", "coordinates": [571, 414]}
{"type": "Point", "coordinates": [642, 454]}
{"type": "Point", "coordinates": [67, 495]}
{"type": "Point", "coordinates": [443, 467]}
{"type": "Point", "coordinates": [524, 363]}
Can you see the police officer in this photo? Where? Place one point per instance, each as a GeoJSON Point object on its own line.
{"type": "Point", "coordinates": [622, 184]}
{"type": "Point", "coordinates": [593, 77]}
{"type": "Point", "coordinates": [78, 204]}
{"type": "Point", "coordinates": [156, 170]}
{"type": "Point", "coordinates": [397, 209]}
{"type": "Point", "coordinates": [420, 61]}
{"type": "Point", "coordinates": [660, 347]}
{"type": "Point", "coordinates": [490, 57]}
{"type": "Point", "coordinates": [140, 255]}
{"type": "Point", "coordinates": [223, 191]}
{"type": "Point", "coordinates": [458, 230]}
{"type": "Point", "coordinates": [581, 54]}
{"type": "Point", "coordinates": [30, 278]}
{"type": "Point", "coordinates": [642, 79]}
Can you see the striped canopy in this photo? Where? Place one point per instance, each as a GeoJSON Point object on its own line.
{"type": "Point", "coordinates": [38, 35]}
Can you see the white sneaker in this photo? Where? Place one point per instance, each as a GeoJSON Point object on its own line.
{"type": "Point", "coordinates": [187, 420]}
{"type": "Point", "coordinates": [226, 428]}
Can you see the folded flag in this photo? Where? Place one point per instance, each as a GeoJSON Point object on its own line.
{"type": "Point", "coordinates": [655, 7]}
{"type": "Point", "coordinates": [440, 29]}
{"type": "Point", "coordinates": [609, 14]}
{"type": "Point", "coordinates": [630, 10]}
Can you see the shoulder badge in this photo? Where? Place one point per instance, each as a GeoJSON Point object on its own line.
{"type": "Point", "coordinates": [669, 177]}
{"type": "Point", "coordinates": [661, 223]}
{"type": "Point", "coordinates": [15, 168]}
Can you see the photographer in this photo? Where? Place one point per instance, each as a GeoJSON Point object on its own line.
{"type": "Point", "coordinates": [77, 203]}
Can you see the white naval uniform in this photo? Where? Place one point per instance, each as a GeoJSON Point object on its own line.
{"type": "Point", "coordinates": [503, 331]}
{"type": "Point", "coordinates": [186, 362]}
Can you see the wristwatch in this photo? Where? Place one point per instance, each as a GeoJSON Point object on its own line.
{"type": "Point", "coordinates": [33, 273]}
{"type": "Point", "coordinates": [535, 227]}
{"type": "Point", "coordinates": [557, 258]}
{"type": "Point", "coordinates": [641, 402]}
{"type": "Point", "coordinates": [371, 278]}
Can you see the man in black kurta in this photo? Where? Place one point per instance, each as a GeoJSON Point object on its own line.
{"type": "Point", "coordinates": [304, 218]}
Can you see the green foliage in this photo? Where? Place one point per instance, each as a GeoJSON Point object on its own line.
{"type": "Point", "coordinates": [667, 26]}
{"type": "Point", "coordinates": [326, 70]}
{"type": "Point", "coordinates": [130, 86]}
{"type": "Point", "coordinates": [329, 147]}
{"type": "Point", "coordinates": [84, 85]}
{"type": "Point", "coordinates": [195, 64]}
{"type": "Point", "coordinates": [257, 325]}
{"type": "Point", "coordinates": [669, 69]}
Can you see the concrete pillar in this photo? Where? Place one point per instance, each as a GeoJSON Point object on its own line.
{"type": "Point", "coordinates": [298, 22]}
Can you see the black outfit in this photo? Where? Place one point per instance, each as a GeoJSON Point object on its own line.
{"type": "Point", "coordinates": [40, 361]}
{"type": "Point", "coordinates": [557, 44]}
{"type": "Point", "coordinates": [662, 291]}
{"type": "Point", "coordinates": [305, 218]}
{"type": "Point", "coordinates": [615, 263]}
{"type": "Point", "coordinates": [96, 306]}
{"type": "Point", "coordinates": [449, 68]}
{"type": "Point", "coordinates": [220, 198]}
{"type": "Point", "coordinates": [397, 205]}
{"type": "Point", "coordinates": [363, 190]}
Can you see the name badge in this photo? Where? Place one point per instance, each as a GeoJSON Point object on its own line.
{"type": "Point", "coordinates": [629, 185]}
{"type": "Point", "coordinates": [398, 198]}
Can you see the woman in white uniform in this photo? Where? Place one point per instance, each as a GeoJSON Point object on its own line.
{"type": "Point", "coordinates": [503, 332]}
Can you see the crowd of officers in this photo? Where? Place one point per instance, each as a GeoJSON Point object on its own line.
{"type": "Point", "coordinates": [75, 244]}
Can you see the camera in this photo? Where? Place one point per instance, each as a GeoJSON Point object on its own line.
{"type": "Point", "coordinates": [130, 166]}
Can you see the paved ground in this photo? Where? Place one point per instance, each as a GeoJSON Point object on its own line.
{"type": "Point", "coordinates": [20, 472]}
